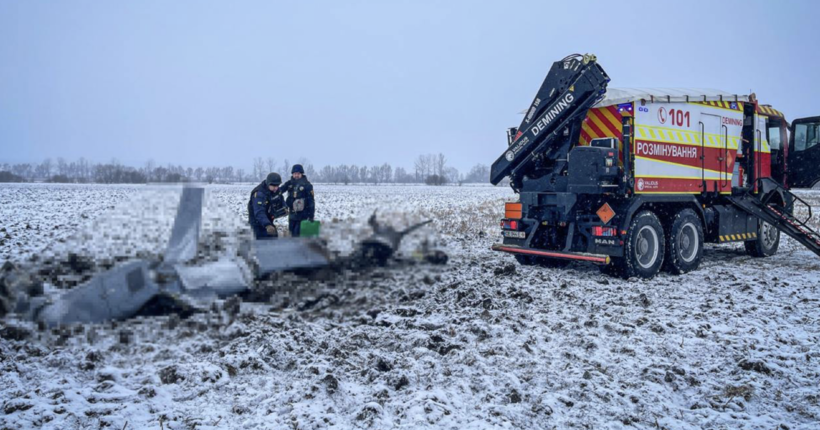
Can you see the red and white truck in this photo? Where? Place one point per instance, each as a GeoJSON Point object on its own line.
{"type": "Point", "coordinates": [637, 180]}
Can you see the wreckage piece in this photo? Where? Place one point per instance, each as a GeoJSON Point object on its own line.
{"type": "Point", "coordinates": [384, 242]}
{"type": "Point", "coordinates": [185, 234]}
{"type": "Point", "coordinates": [388, 235]}
{"type": "Point", "coordinates": [124, 291]}
{"type": "Point", "coordinates": [288, 253]}
{"type": "Point", "coordinates": [20, 292]}
{"type": "Point", "coordinates": [210, 280]}
{"type": "Point", "coordinates": [115, 294]}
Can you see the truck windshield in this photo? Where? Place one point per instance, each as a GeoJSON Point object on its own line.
{"type": "Point", "coordinates": [806, 135]}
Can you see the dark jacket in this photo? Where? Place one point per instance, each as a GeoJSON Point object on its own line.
{"type": "Point", "coordinates": [297, 190]}
{"type": "Point", "coordinates": [264, 205]}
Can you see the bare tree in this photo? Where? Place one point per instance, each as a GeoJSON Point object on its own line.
{"type": "Point", "coordinates": [259, 168]}
{"type": "Point", "coordinates": [285, 172]}
{"type": "Point", "coordinates": [149, 170]}
{"type": "Point", "coordinates": [387, 172]}
{"type": "Point", "coordinates": [478, 174]}
{"type": "Point", "coordinates": [327, 174]}
{"type": "Point", "coordinates": [308, 166]}
{"type": "Point", "coordinates": [452, 176]}
{"type": "Point", "coordinates": [62, 167]}
{"type": "Point", "coordinates": [440, 164]}
{"type": "Point", "coordinates": [44, 169]}
{"type": "Point", "coordinates": [375, 175]}
{"type": "Point", "coordinates": [84, 169]}
{"type": "Point", "coordinates": [363, 174]}
{"type": "Point", "coordinates": [269, 167]}
{"type": "Point", "coordinates": [226, 174]}
{"type": "Point", "coordinates": [419, 166]}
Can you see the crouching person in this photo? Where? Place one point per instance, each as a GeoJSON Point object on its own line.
{"type": "Point", "coordinates": [265, 205]}
{"type": "Point", "coordinates": [300, 202]}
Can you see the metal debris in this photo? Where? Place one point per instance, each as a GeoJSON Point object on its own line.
{"type": "Point", "coordinates": [125, 290]}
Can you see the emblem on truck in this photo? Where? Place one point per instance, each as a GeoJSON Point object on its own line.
{"type": "Point", "coordinates": [662, 115]}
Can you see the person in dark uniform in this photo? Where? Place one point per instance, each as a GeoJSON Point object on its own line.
{"type": "Point", "coordinates": [300, 202]}
{"type": "Point", "coordinates": [265, 205]}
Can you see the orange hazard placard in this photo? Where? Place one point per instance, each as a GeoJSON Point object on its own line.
{"type": "Point", "coordinates": [512, 210]}
{"type": "Point", "coordinates": [605, 212]}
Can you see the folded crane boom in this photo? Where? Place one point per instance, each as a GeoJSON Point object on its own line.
{"type": "Point", "coordinates": [571, 87]}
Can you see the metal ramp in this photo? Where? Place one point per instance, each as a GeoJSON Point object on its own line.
{"type": "Point", "coordinates": [779, 217]}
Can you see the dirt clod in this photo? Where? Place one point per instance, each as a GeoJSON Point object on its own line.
{"type": "Point", "coordinates": [757, 366]}
{"type": "Point", "coordinates": [170, 375]}
{"type": "Point", "coordinates": [13, 332]}
{"type": "Point", "coordinates": [401, 383]}
{"type": "Point", "coordinates": [331, 383]}
{"type": "Point", "coordinates": [507, 270]}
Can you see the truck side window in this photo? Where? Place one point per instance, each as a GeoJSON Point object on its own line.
{"type": "Point", "coordinates": [774, 137]}
{"type": "Point", "coordinates": [806, 136]}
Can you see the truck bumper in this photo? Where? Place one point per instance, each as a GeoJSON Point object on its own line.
{"type": "Point", "coordinates": [578, 256]}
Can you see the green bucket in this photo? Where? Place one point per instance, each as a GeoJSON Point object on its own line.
{"type": "Point", "coordinates": [309, 228]}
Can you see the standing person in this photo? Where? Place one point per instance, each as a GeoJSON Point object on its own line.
{"type": "Point", "coordinates": [300, 200]}
{"type": "Point", "coordinates": [265, 205]}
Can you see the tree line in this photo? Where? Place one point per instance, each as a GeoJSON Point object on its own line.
{"type": "Point", "coordinates": [430, 169]}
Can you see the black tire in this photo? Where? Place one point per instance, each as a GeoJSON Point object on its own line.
{"type": "Point", "coordinates": [643, 248]}
{"type": "Point", "coordinates": [766, 243]}
{"type": "Point", "coordinates": [684, 245]}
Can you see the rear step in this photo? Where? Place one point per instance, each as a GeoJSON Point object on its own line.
{"type": "Point", "coordinates": [780, 219]}
{"type": "Point", "coordinates": [579, 256]}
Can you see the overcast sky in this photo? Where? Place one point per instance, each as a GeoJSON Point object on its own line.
{"type": "Point", "coordinates": [202, 83]}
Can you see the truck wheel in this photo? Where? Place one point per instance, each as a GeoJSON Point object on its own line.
{"type": "Point", "coordinates": [767, 242]}
{"type": "Point", "coordinates": [644, 247]}
{"type": "Point", "coordinates": [684, 247]}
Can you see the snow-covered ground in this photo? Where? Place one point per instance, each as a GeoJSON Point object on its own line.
{"type": "Point", "coordinates": [477, 343]}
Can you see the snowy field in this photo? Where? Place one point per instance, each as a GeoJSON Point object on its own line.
{"type": "Point", "coordinates": [477, 343]}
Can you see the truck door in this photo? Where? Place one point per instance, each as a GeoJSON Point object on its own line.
{"type": "Point", "coordinates": [763, 155]}
{"type": "Point", "coordinates": [803, 162]}
{"type": "Point", "coordinates": [714, 152]}
{"type": "Point", "coordinates": [777, 143]}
